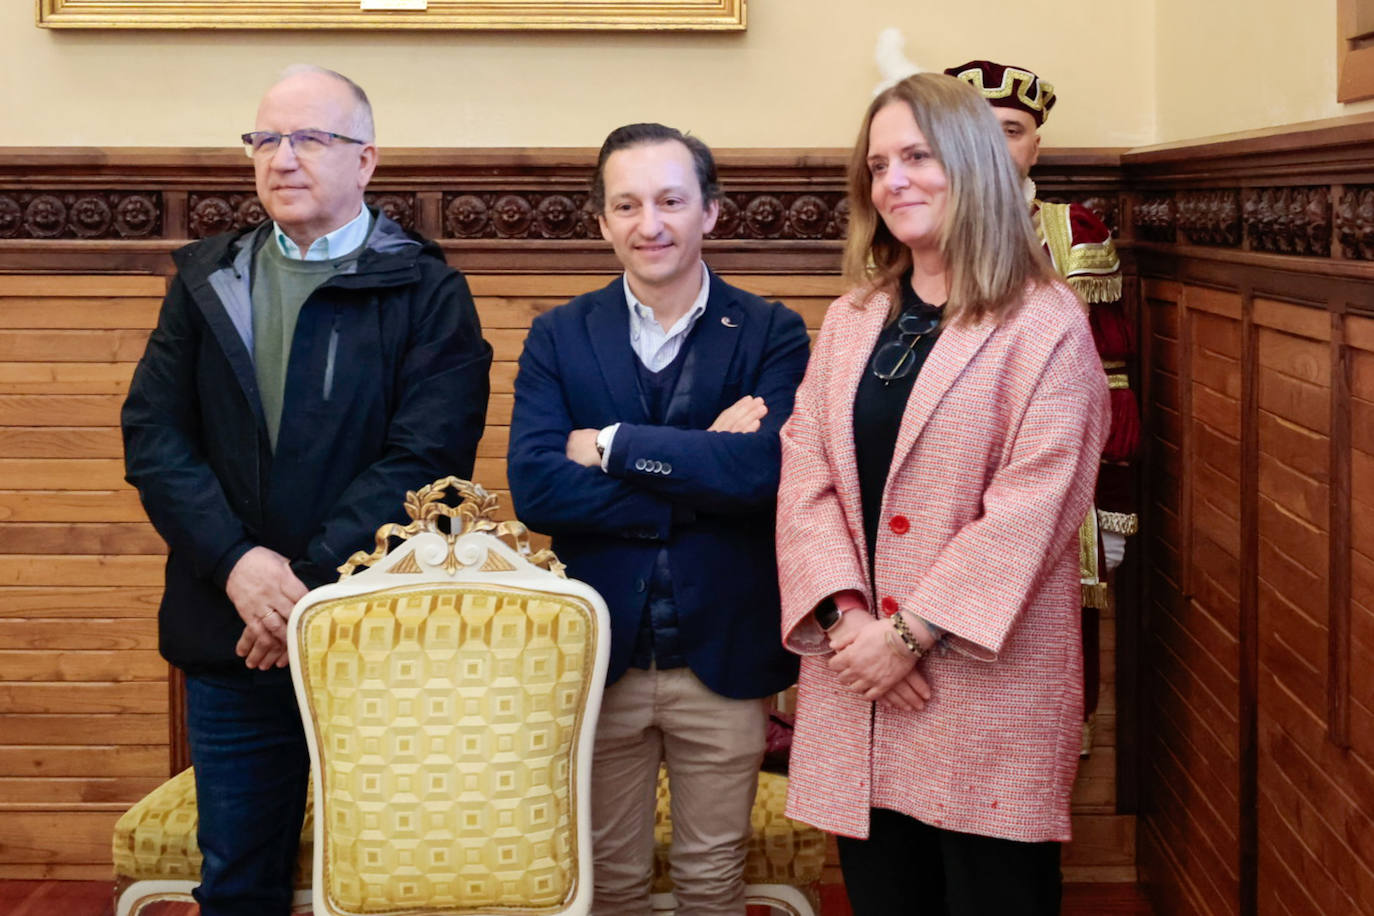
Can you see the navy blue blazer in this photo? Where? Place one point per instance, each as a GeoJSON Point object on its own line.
{"type": "Point", "coordinates": [708, 496]}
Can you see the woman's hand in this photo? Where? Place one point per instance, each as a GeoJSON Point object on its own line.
{"type": "Point", "coordinates": [866, 663]}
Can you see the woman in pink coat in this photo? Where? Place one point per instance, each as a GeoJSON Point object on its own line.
{"type": "Point", "coordinates": [941, 455]}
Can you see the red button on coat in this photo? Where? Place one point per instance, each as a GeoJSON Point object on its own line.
{"type": "Point", "coordinates": [889, 605]}
{"type": "Point", "coordinates": [900, 524]}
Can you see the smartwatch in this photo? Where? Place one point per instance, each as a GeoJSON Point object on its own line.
{"type": "Point", "coordinates": [827, 614]}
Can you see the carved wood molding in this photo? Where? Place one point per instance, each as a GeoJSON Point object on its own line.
{"type": "Point", "coordinates": [59, 214]}
{"type": "Point", "coordinates": [1288, 220]}
{"type": "Point", "coordinates": [1300, 190]}
{"type": "Point", "coordinates": [771, 196]}
{"type": "Point", "coordinates": [1306, 191]}
{"type": "Point", "coordinates": [1355, 222]}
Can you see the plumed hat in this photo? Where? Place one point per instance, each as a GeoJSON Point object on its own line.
{"type": "Point", "coordinates": [893, 63]}
{"type": "Point", "coordinates": [1005, 86]}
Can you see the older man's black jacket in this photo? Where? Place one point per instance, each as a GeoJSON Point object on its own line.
{"type": "Point", "coordinates": [386, 390]}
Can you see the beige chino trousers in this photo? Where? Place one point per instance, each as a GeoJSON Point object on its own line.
{"type": "Point", "coordinates": [713, 747]}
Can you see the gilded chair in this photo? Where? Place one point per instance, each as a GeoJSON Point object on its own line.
{"type": "Point", "coordinates": [450, 694]}
{"type": "Point", "coordinates": [453, 688]}
{"type": "Point", "coordinates": [782, 867]}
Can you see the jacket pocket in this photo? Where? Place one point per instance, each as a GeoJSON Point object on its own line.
{"type": "Point", "coordinates": [330, 356]}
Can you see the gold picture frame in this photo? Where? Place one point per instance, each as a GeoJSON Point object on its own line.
{"type": "Point", "coordinates": [549, 15]}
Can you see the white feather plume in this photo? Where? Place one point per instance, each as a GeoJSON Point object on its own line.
{"type": "Point", "coordinates": [893, 63]}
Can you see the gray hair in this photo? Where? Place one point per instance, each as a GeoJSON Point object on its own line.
{"type": "Point", "coordinates": [361, 125]}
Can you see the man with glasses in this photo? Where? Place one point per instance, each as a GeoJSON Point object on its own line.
{"type": "Point", "coordinates": [302, 376]}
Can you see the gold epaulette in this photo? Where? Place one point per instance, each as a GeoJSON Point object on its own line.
{"type": "Point", "coordinates": [1091, 268]}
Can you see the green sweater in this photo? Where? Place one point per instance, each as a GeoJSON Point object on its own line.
{"type": "Point", "coordinates": [280, 287]}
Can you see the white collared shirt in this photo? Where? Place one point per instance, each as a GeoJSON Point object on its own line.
{"type": "Point", "coordinates": [347, 238]}
{"type": "Point", "coordinates": [654, 346]}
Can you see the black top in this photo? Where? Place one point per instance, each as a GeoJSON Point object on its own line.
{"type": "Point", "coordinates": [878, 409]}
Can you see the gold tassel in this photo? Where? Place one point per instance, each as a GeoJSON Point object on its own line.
{"type": "Point", "coordinates": [1096, 595]}
{"type": "Point", "coordinates": [1097, 289]}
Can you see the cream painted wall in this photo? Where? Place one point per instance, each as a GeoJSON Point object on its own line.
{"type": "Point", "coordinates": [1235, 65]}
{"type": "Point", "coordinates": [1128, 74]}
{"type": "Point", "coordinates": [799, 76]}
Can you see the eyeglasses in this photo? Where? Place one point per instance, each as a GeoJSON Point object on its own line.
{"type": "Point", "coordinates": [894, 359]}
{"type": "Point", "coordinates": [305, 143]}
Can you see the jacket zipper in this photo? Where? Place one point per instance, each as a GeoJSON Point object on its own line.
{"type": "Point", "coordinates": [329, 359]}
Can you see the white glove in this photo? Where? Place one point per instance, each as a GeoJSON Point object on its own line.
{"type": "Point", "coordinates": [1113, 549]}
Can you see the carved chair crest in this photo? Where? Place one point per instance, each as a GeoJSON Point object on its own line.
{"type": "Point", "coordinates": [452, 551]}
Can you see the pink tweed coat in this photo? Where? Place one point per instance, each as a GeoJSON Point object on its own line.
{"type": "Point", "coordinates": [993, 471]}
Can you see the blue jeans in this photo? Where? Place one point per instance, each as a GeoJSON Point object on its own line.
{"type": "Point", "coordinates": [251, 760]}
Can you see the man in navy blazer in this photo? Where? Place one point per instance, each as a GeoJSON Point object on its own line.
{"type": "Point", "coordinates": [645, 441]}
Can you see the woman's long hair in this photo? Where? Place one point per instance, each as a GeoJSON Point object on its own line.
{"type": "Point", "coordinates": [987, 240]}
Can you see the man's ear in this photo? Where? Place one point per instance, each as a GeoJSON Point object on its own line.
{"type": "Point", "coordinates": [605, 230]}
{"type": "Point", "coordinates": [709, 218]}
{"type": "Point", "coordinates": [367, 164]}
{"type": "Point", "coordinates": [1035, 154]}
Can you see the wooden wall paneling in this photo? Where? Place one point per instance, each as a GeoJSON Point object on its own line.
{"type": "Point", "coordinates": [1186, 757]}
{"type": "Point", "coordinates": [1283, 221]}
{"type": "Point", "coordinates": [1359, 340]}
{"type": "Point", "coordinates": [1217, 475]}
{"type": "Point", "coordinates": [1129, 598]}
{"type": "Point", "coordinates": [1310, 859]}
{"type": "Point", "coordinates": [1315, 781]}
{"type": "Point", "coordinates": [87, 724]}
{"type": "Point", "coordinates": [1339, 525]}
{"type": "Point", "coordinates": [1248, 699]}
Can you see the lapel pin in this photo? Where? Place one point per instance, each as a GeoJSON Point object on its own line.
{"type": "Point", "coordinates": [728, 321]}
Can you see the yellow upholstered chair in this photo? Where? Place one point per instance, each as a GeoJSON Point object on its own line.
{"type": "Point", "coordinates": [450, 695]}
{"type": "Point", "coordinates": [782, 867]}
{"type": "Point", "coordinates": [155, 852]}
{"type": "Point", "coordinates": [454, 687]}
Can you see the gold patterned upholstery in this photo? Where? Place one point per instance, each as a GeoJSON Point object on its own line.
{"type": "Point", "coordinates": [449, 694]}
{"type": "Point", "coordinates": [447, 717]}
{"type": "Point", "coordinates": [782, 852]}
{"type": "Point", "coordinates": [155, 851]}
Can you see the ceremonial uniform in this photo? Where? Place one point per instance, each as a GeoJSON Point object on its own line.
{"type": "Point", "coordinates": [1080, 247]}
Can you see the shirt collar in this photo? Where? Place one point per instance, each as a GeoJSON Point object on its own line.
{"type": "Point", "coordinates": [645, 314]}
{"type": "Point", "coordinates": [348, 237]}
